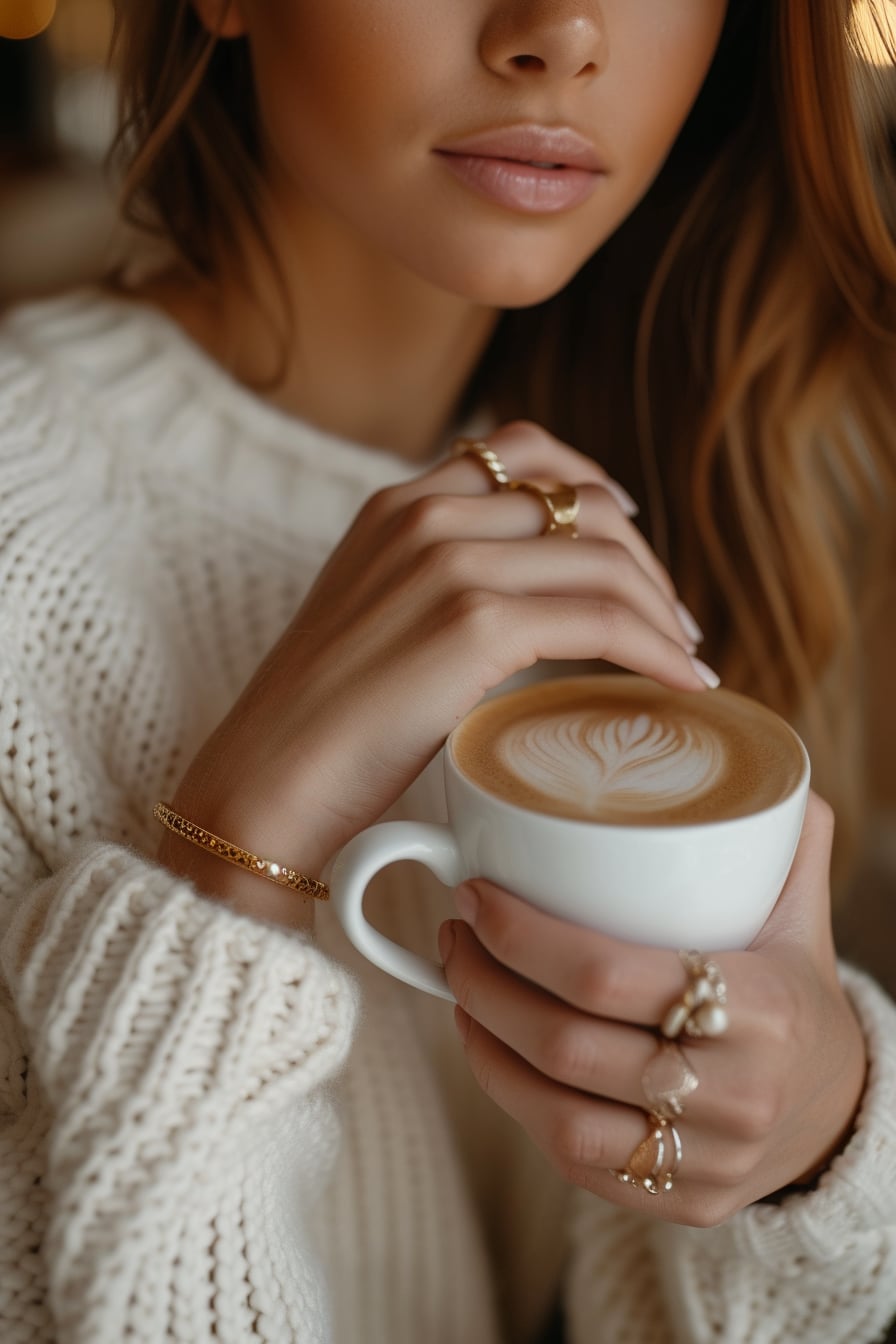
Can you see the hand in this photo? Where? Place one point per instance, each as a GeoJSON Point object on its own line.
{"type": "Point", "coordinates": [441, 589]}
{"type": "Point", "coordinates": [558, 1025]}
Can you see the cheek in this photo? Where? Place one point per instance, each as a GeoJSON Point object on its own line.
{"type": "Point", "coordinates": [302, 78]}
{"type": "Point", "coordinates": [338, 72]}
{"type": "Point", "coordinates": [659, 72]}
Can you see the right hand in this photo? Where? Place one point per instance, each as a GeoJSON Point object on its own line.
{"type": "Point", "coordinates": [441, 589]}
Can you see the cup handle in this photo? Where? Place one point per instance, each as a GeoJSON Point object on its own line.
{"type": "Point", "coordinates": [433, 846]}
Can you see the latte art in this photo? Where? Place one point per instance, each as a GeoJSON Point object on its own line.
{"type": "Point", "coordinates": [605, 766]}
{"type": "Point", "coordinates": [625, 751]}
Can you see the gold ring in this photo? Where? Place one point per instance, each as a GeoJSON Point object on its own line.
{"type": "Point", "coordinates": [561, 503]}
{"type": "Point", "coordinates": [702, 1009]}
{"type": "Point", "coordinates": [487, 456]}
{"type": "Point", "coordinates": [667, 1081]}
{"type": "Point", "coordinates": [656, 1159]}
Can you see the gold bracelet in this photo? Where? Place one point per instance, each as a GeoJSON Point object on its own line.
{"type": "Point", "coordinates": [274, 872]}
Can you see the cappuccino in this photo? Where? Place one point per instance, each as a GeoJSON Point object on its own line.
{"type": "Point", "coordinates": [657, 816]}
{"type": "Point", "coordinates": [625, 751]}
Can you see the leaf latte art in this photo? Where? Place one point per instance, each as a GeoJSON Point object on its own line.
{"type": "Point", "coordinates": [601, 766]}
{"type": "Point", "coordinates": [625, 751]}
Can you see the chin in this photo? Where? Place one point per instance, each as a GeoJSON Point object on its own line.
{"type": "Point", "coordinates": [500, 283]}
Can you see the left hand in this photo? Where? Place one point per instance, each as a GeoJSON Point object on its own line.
{"type": "Point", "coordinates": [559, 1023]}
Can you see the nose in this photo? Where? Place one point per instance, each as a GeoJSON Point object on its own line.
{"type": "Point", "coordinates": [554, 39]}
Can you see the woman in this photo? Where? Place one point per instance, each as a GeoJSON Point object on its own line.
{"type": "Point", "coordinates": [658, 233]}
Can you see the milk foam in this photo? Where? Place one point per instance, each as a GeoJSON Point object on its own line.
{"type": "Point", "coordinates": [637, 763]}
{"type": "Point", "coordinates": [622, 750]}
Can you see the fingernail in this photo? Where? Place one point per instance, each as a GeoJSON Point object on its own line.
{"type": "Point", "coordinates": [466, 900]}
{"type": "Point", "coordinates": [622, 498]}
{"type": "Point", "coordinates": [689, 624]}
{"type": "Point", "coordinates": [446, 940]}
{"type": "Point", "coordinates": [706, 674]}
{"type": "Point", "coordinates": [463, 1022]}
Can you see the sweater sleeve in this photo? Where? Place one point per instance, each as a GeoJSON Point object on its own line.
{"type": "Point", "coordinates": [819, 1266]}
{"type": "Point", "coordinates": [166, 1120]}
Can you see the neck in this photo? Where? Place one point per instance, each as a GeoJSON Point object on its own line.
{"type": "Point", "coordinates": [376, 355]}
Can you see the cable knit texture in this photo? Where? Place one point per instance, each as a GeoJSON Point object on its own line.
{"type": "Point", "coordinates": [200, 1137]}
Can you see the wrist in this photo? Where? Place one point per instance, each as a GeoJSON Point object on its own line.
{"type": "Point", "coordinates": [269, 808]}
{"type": "Point", "coordinates": [220, 868]}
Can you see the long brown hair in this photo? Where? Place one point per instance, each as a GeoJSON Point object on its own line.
{"type": "Point", "coordinates": [729, 354]}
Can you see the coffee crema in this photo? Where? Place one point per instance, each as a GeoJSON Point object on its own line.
{"type": "Point", "coordinates": [626, 751]}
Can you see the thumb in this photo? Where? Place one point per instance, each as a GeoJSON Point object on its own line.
{"type": "Point", "coordinates": [802, 913]}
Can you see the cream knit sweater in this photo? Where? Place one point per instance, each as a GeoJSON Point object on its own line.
{"type": "Point", "coordinates": [201, 1136]}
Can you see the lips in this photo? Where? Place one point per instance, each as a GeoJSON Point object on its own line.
{"type": "Point", "coordinates": [535, 146]}
{"type": "Point", "coordinates": [533, 170]}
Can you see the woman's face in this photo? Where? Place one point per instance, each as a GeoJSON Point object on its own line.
{"type": "Point", "coordinates": [423, 131]}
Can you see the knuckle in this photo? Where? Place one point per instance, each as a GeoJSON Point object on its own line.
{"type": "Point", "coordinates": [621, 571]}
{"type": "Point", "coordinates": [754, 1111]}
{"type": "Point", "coordinates": [462, 989]}
{"type": "Point", "coordinates": [521, 438]}
{"type": "Point", "coordinates": [573, 1143]}
{"type": "Point", "coordinates": [423, 519]}
{"type": "Point", "coordinates": [784, 1015]}
{"type": "Point", "coordinates": [448, 561]}
{"type": "Point", "coordinates": [763, 1114]}
{"type": "Point", "coordinates": [613, 619]}
{"type": "Point", "coordinates": [476, 611]}
{"type": "Point", "coordinates": [780, 1010]}
{"type": "Point", "coordinates": [499, 935]}
{"type": "Point", "coordinates": [565, 1054]}
{"type": "Point", "coordinates": [709, 1212]}
{"type": "Point", "coordinates": [735, 1166]}
{"type": "Point", "coordinates": [601, 503]}
{"type": "Point", "coordinates": [484, 1075]}
{"type": "Point", "coordinates": [521, 429]}
{"type": "Point", "coordinates": [377, 507]}
{"type": "Point", "coordinates": [595, 985]}
{"type": "Point", "coordinates": [615, 554]}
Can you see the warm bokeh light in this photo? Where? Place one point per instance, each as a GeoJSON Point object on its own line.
{"type": "Point", "coordinates": [25, 18]}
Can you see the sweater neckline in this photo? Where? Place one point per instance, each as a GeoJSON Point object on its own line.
{"type": "Point", "coordinates": [123, 348]}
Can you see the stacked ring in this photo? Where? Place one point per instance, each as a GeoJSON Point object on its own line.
{"type": "Point", "coordinates": [669, 1079]}
{"type": "Point", "coordinates": [490, 460]}
{"type": "Point", "coordinates": [561, 504]}
{"type": "Point", "coordinates": [656, 1159]}
{"type": "Point", "coordinates": [702, 1009]}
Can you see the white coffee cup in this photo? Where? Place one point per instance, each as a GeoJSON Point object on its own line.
{"type": "Point", "coordinates": [706, 884]}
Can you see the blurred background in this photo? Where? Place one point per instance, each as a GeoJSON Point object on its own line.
{"type": "Point", "coordinates": [57, 114]}
{"type": "Point", "coordinates": [58, 227]}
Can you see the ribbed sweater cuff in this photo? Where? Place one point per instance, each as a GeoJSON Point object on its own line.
{"type": "Point", "coordinates": [856, 1196]}
{"type": "Point", "coordinates": [136, 992]}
